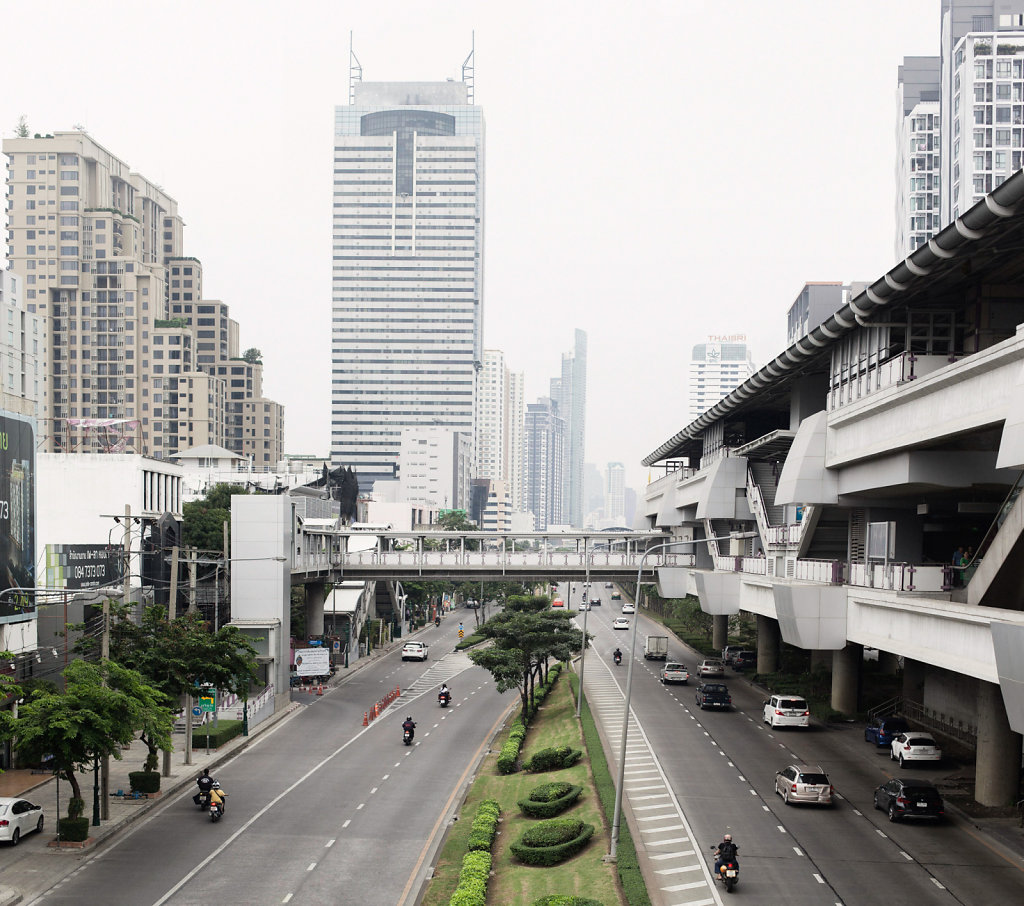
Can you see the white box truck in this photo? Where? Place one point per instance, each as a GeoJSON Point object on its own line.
{"type": "Point", "coordinates": [656, 648]}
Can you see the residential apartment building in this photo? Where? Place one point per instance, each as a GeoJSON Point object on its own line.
{"type": "Point", "coordinates": [515, 425]}
{"type": "Point", "coordinates": [918, 140]}
{"type": "Point", "coordinates": [129, 353]}
{"type": "Point", "coordinates": [544, 463]}
{"type": "Point", "coordinates": [816, 303]}
{"type": "Point", "coordinates": [615, 495]}
{"type": "Point", "coordinates": [492, 400]}
{"type": "Point", "coordinates": [717, 367]}
{"type": "Point", "coordinates": [407, 285]}
{"type": "Point", "coordinates": [436, 468]}
{"type": "Point", "coordinates": [20, 346]}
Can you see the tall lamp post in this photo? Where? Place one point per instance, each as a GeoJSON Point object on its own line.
{"type": "Point", "coordinates": [583, 647]}
{"type": "Point", "coordinates": [617, 813]}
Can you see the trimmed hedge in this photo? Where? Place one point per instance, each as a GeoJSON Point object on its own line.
{"type": "Point", "coordinates": [225, 732]}
{"type": "Point", "coordinates": [551, 842]}
{"type": "Point", "coordinates": [549, 799]}
{"type": "Point", "coordinates": [144, 781]}
{"type": "Point", "coordinates": [553, 759]}
{"type": "Point", "coordinates": [510, 750]}
{"type": "Point", "coordinates": [472, 889]}
{"type": "Point", "coordinates": [74, 830]}
{"type": "Point", "coordinates": [484, 827]}
{"type": "Point", "coordinates": [563, 899]}
{"type": "Point", "coordinates": [469, 641]}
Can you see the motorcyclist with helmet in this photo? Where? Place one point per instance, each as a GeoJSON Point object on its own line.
{"type": "Point", "coordinates": [617, 655]}
{"type": "Point", "coordinates": [444, 694]}
{"type": "Point", "coordinates": [410, 726]}
{"type": "Point", "coordinates": [205, 783]}
{"type": "Point", "coordinates": [726, 852]}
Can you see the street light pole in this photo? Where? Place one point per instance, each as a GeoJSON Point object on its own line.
{"type": "Point", "coordinates": [583, 647]}
{"type": "Point", "coordinates": [617, 813]}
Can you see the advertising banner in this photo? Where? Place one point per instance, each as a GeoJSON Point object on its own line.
{"type": "Point", "coordinates": [81, 565]}
{"type": "Point", "coordinates": [312, 662]}
{"type": "Point", "coordinates": [17, 512]}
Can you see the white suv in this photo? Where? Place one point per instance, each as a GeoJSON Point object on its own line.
{"type": "Point", "coordinates": [786, 711]}
{"type": "Point", "coordinates": [415, 651]}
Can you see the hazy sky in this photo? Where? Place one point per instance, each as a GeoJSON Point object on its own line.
{"type": "Point", "coordinates": [656, 171]}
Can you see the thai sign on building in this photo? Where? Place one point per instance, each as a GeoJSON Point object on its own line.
{"type": "Point", "coordinates": [81, 565]}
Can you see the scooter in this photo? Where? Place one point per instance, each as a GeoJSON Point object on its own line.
{"type": "Point", "coordinates": [443, 698]}
{"type": "Point", "coordinates": [215, 812]}
{"type": "Point", "coordinates": [728, 872]}
{"type": "Point", "coordinates": [437, 621]}
{"type": "Point", "coordinates": [407, 737]}
{"type": "Point", "coordinates": [618, 659]}
{"type": "Point", "coordinates": [202, 799]}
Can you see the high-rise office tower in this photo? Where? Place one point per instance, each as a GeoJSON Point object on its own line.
{"type": "Point", "coordinates": [615, 494]}
{"type": "Point", "coordinates": [515, 424]}
{"type": "Point", "coordinates": [20, 372]}
{"type": "Point", "coordinates": [717, 367]}
{"type": "Point", "coordinates": [407, 286]}
{"type": "Point", "coordinates": [918, 174]}
{"type": "Point", "coordinates": [543, 463]}
{"type": "Point", "coordinates": [569, 392]}
{"type": "Point", "coordinates": [492, 399]}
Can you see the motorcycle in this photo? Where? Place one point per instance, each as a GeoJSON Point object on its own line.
{"type": "Point", "coordinates": [437, 621]}
{"type": "Point", "coordinates": [443, 698]}
{"type": "Point", "coordinates": [618, 659]}
{"type": "Point", "coordinates": [407, 737]}
{"type": "Point", "coordinates": [216, 812]}
{"type": "Point", "coordinates": [728, 872]}
{"type": "Point", "coordinates": [202, 799]}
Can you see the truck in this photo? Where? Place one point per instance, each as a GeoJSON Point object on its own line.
{"type": "Point", "coordinates": [656, 648]}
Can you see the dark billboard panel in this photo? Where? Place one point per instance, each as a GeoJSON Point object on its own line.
{"type": "Point", "coordinates": [81, 565]}
{"type": "Point", "coordinates": [17, 512]}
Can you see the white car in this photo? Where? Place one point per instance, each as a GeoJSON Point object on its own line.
{"type": "Point", "coordinates": [414, 651]}
{"type": "Point", "coordinates": [915, 746]}
{"type": "Point", "coordinates": [711, 666]}
{"type": "Point", "coordinates": [17, 818]}
{"type": "Point", "coordinates": [584, 605]}
{"type": "Point", "coordinates": [620, 623]}
{"type": "Point", "coordinates": [628, 608]}
{"type": "Point", "coordinates": [786, 711]}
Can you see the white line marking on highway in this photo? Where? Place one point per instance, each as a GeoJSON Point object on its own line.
{"type": "Point", "coordinates": [837, 796]}
{"type": "Point", "coordinates": [374, 790]}
{"type": "Point", "coordinates": [311, 866]}
{"type": "Point", "coordinates": [881, 833]}
{"type": "Point", "coordinates": [385, 777]}
{"type": "Point", "coordinates": [858, 813]}
{"type": "Point", "coordinates": [348, 821]}
{"type": "Point", "coordinates": [742, 778]}
{"type": "Point", "coordinates": [753, 792]}
{"type": "Point", "coordinates": [667, 842]}
{"type": "Point", "coordinates": [782, 830]}
{"type": "Point", "coordinates": [690, 886]}
{"type": "Point", "coordinates": [287, 899]}
{"type": "Point", "coordinates": [731, 765]}
{"type": "Point", "coordinates": [796, 849]}
{"type": "Point", "coordinates": [398, 764]}
{"type": "Point", "coordinates": [936, 883]}
{"type": "Point", "coordinates": [361, 804]}
{"type": "Point", "coordinates": [906, 856]}
{"type": "Point", "coordinates": [765, 807]}
{"type": "Point", "coordinates": [819, 879]}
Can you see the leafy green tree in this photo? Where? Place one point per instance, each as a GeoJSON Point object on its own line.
{"type": "Point", "coordinates": [21, 130]}
{"type": "Point", "coordinates": [253, 356]}
{"type": "Point", "coordinates": [101, 709]}
{"type": "Point", "coordinates": [204, 519]}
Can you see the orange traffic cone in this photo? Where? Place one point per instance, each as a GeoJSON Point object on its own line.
{"type": "Point", "coordinates": [320, 689]}
{"type": "Point", "coordinates": [366, 719]}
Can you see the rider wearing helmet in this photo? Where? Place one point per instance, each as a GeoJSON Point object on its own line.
{"type": "Point", "coordinates": [409, 724]}
{"type": "Point", "coordinates": [726, 852]}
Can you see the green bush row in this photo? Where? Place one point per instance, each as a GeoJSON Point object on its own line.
{"type": "Point", "coordinates": [74, 830]}
{"type": "Point", "coordinates": [144, 781]}
{"type": "Point", "coordinates": [484, 827]}
{"type": "Point", "coordinates": [553, 759]}
{"type": "Point", "coordinates": [509, 754]}
{"type": "Point", "coordinates": [469, 641]}
{"type": "Point", "coordinates": [551, 842]}
{"type": "Point", "coordinates": [225, 732]}
{"type": "Point", "coordinates": [537, 807]}
{"type": "Point", "coordinates": [472, 889]}
{"type": "Point", "coordinates": [633, 885]}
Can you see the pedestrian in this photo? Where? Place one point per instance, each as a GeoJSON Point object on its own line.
{"type": "Point", "coordinates": [959, 560]}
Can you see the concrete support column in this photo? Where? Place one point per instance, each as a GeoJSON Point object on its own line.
{"type": "Point", "coordinates": [314, 609]}
{"type": "Point", "coordinates": [913, 680]}
{"type": "Point", "coordinates": [821, 661]}
{"type": "Point", "coordinates": [997, 762]}
{"type": "Point", "coordinates": [767, 645]}
{"type": "Point", "coordinates": [888, 663]}
{"type": "Point", "coordinates": [719, 631]}
{"type": "Point", "coordinates": [846, 665]}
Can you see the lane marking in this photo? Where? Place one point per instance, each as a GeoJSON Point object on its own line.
{"type": "Point", "coordinates": [796, 849]}
{"type": "Point", "coordinates": [330, 843]}
{"type": "Point", "coordinates": [819, 878]}
{"type": "Point", "coordinates": [311, 866]}
{"type": "Point", "coordinates": [936, 883]}
{"type": "Point", "coordinates": [348, 821]}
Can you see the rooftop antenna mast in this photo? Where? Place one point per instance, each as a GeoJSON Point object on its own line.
{"type": "Point", "coordinates": [355, 71]}
{"type": "Point", "coordinates": [468, 67]}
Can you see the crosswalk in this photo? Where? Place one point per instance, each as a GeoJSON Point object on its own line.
{"type": "Point", "coordinates": [664, 838]}
{"type": "Point", "coordinates": [440, 671]}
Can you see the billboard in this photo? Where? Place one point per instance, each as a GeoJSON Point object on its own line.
{"type": "Point", "coordinates": [312, 661]}
{"type": "Point", "coordinates": [81, 565]}
{"type": "Point", "coordinates": [17, 511]}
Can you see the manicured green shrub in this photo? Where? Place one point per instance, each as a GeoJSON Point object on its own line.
{"type": "Point", "coordinates": [472, 889]}
{"type": "Point", "coordinates": [509, 755]}
{"type": "Point", "coordinates": [551, 842]}
{"type": "Point", "coordinates": [144, 781]}
{"type": "Point", "coordinates": [563, 899]}
{"type": "Point", "coordinates": [484, 827]}
{"type": "Point", "coordinates": [553, 759]}
{"type": "Point", "coordinates": [540, 803]}
{"type": "Point", "coordinates": [227, 731]}
{"type": "Point", "coordinates": [74, 830]}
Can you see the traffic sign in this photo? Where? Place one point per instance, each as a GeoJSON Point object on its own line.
{"type": "Point", "coordinates": [197, 711]}
{"type": "Point", "coordinates": [461, 633]}
{"type": "Point", "coordinates": [208, 701]}
{"type": "Point", "coordinates": [337, 645]}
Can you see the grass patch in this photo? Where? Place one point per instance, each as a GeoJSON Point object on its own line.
{"type": "Point", "coordinates": [513, 882]}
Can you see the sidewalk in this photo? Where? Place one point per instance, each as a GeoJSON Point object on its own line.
{"type": "Point", "coordinates": [32, 867]}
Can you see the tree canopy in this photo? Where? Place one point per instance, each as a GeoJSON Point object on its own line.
{"type": "Point", "coordinates": [204, 519]}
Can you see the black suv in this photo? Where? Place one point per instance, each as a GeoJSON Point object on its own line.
{"type": "Point", "coordinates": [905, 798]}
{"type": "Point", "coordinates": [714, 695]}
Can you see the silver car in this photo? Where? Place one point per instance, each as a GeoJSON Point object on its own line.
{"type": "Point", "coordinates": [803, 783]}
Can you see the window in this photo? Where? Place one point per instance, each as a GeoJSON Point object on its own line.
{"type": "Point", "coordinates": [69, 190]}
{"type": "Point", "coordinates": [1002, 136]}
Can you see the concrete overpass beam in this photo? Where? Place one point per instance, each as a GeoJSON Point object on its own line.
{"type": "Point", "coordinates": [997, 762]}
{"type": "Point", "coordinates": [767, 644]}
{"type": "Point", "coordinates": [314, 609]}
{"type": "Point", "coordinates": [719, 631]}
{"type": "Point", "coordinates": [846, 666]}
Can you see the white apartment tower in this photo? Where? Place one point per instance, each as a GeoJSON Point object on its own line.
{"type": "Point", "coordinates": [717, 367]}
{"type": "Point", "coordinates": [515, 424]}
{"type": "Point", "coordinates": [492, 399]}
{"type": "Point", "coordinates": [615, 494]}
{"type": "Point", "coordinates": [543, 463]}
{"type": "Point", "coordinates": [20, 345]}
{"type": "Point", "coordinates": [918, 172]}
{"type": "Point", "coordinates": [407, 285]}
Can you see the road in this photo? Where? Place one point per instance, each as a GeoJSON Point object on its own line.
{"type": "Point", "coordinates": [320, 809]}
{"type": "Point", "coordinates": [720, 769]}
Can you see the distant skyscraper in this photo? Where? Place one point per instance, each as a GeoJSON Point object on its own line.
{"type": "Point", "coordinates": [615, 494]}
{"type": "Point", "coordinates": [918, 174]}
{"type": "Point", "coordinates": [543, 463]}
{"type": "Point", "coordinates": [492, 398]}
{"type": "Point", "coordinates": [569, 391]}
{"type": "Point", "coordinates": [515, 424]}
{"type": "Point", "coordinates": [717, 367]}
{"type": "Point", "coordinates": [407, 289]}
